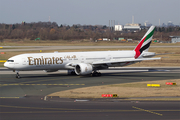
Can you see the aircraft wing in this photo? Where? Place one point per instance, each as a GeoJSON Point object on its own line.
{"type": "Point", "coordinates": [123, 60]}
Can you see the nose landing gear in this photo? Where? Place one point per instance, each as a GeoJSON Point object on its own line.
{"type": "Point", "coordinates": [17, 75]}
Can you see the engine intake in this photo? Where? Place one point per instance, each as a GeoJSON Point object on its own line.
{"type": "Point", "coordinates": [83, 69]}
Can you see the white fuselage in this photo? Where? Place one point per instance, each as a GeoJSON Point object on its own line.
{"type": "Point", "coordinates": [62, 60]}
{"type": "Point", "coordinates": [83, 63]}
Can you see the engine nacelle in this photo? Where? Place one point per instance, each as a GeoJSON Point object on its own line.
{"type": "Point", "coordinates": [83, 69]}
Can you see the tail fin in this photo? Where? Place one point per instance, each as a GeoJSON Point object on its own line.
{"type": "Point", "coordinates": [145, 42]}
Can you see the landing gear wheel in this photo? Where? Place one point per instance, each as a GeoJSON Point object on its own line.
{"type": "Point", "coordinates": [95, 74]}
{"type": "Point", "coordinates": [73, 73]}
{"type": "Point", "coordinates": [18, 76]}
{"type": "Point", "coordinates": [99, 74]}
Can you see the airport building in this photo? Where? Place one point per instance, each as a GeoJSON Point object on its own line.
{"type": "Point", "coordinates": [175, 39]}
{"type": "Point", "coordinates": [118, 27]}
{"type": "Point", "coordinates": [128, 27]}
{"type": "Point", "coordinates": [132, 27]}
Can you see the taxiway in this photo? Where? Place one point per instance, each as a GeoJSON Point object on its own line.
{"type": "Point", "coordinates": [24, 98]}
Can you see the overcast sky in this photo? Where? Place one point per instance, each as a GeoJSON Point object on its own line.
{"type": "Point", "coordinates": [90, 12]}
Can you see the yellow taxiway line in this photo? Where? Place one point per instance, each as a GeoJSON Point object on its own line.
{"type": "Point", "coordinates": [36, 84]}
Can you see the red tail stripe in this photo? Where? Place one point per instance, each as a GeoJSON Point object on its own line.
{"type": "Point", "coordinates": [138, 48]}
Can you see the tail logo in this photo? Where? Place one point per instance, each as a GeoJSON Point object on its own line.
{"type": "Point", "coordinates": [144, 43]}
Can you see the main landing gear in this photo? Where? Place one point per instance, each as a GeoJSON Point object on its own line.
{"type": "Point", "coordinates": [71, 72]}
{"type": "Point", "coordinates": [95, 74]}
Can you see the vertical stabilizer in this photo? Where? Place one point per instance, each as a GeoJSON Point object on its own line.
{"type": "Point", "coordinates": [145, 42]}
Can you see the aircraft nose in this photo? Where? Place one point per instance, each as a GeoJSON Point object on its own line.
{"type": "Point", "coordinates": [5, 64]}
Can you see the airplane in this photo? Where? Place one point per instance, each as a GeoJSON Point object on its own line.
{"type": "Point", "coordinates": [82, 63]}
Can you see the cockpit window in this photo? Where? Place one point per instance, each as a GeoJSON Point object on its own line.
{"type": "Point", "coordinates": [10, 60]}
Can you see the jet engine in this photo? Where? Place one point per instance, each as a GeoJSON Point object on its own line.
{"type": "Point", "coordinates": [83, 69]}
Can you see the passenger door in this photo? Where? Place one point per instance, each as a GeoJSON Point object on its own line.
{"type": "Point", "coordinates": [24, 61]}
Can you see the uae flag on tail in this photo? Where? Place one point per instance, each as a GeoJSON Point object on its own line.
{"type": "Point", "coordinates": [145, 42]}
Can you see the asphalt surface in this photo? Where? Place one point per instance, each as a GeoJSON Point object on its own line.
{"type": "Point", "coordinates": [30, 108]}
{"type": "Point", "coordinates": [25, 98]}
{"type": "Point", "coordinates": [39, 83]}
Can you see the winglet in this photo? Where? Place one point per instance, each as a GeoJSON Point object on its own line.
{"type": "Point", "coordinates": [145, 42]}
